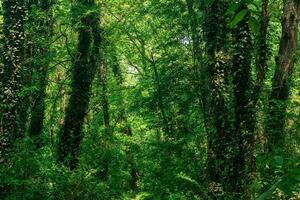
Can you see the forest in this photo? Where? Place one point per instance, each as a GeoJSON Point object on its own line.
{"type": "Point", "coordinates": [149, 100]}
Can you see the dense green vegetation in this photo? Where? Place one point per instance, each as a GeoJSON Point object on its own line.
{"type": "Point", "coordinates": [149, 99]}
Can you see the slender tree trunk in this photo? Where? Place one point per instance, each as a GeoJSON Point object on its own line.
{"type": "Point", "coordinates": [84, 68]}
{"type": "Point", "coordinates": [160, 101]}
{"type": "Point", "coordinates": [104, 97]}
{"type": "Point", "coordinates": [283, 72]}
{"type": "Point", "coordinates": [262, 53]}
{"type": "Point", "coordinates": [199, 68]}
{"type": "Point", "coordinates": [13, 29]}
{"type": "Point", "coordinates": [126, 127]}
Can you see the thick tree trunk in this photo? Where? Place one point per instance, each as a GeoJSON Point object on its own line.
{"type": "Point", "coordinates": [13, 29]}
{"type": "Point", "coordinates": [84, 68]}
{"type": "Point", "coordinates": [219, 136]}
{"type": "Point", "coordinates": [27, 71]}
{"type": "Point", "coordinates": [243, 156]}
{"type": "Point", "coordinates": [283, 72]}
{"type": "Point", "coordinates": [44, 33]}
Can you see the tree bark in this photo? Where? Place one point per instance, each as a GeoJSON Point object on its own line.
{"type": "Point", "coordinates": [263, 50]}
{"type": "Point", "coordinates": [219, 135]}
{"type": "Point", "coordinates": [283, 72]}
{"type": "Point", "coordinates": [243, 155]}
{"type": "Point", "coordinates": [13, 29]}
{"type": "Point", "coordinates": [84, 68]}
{"type": "Point", "coordinates": [44, 32]}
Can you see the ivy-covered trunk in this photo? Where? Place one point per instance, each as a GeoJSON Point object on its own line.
{"type": "Point", "coordinates": [283, 72]}
{"type": "Point", "coordinates": [244, 124]}
{"type": "Point", "coordinates": [13, 30]}
{"type": "Point", "coordinates": [44, 32]}
{"type": "Point", "coordinates": [262, 52]}
{"type": "Point", "coordinates": [218, 112]}
{"type": "Point", "coordinates": [84, 68]}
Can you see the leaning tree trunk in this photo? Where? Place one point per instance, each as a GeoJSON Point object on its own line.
{"type": "Point", "coordinates": [44, 33]}
{"type": "Point", "coordinates": [13, 29]}
{"type": "Point", "coordinates": [84, 68]}
{"type": "Point", "coordinates": [283, 72]}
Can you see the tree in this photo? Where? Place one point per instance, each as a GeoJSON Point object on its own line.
{"type": "Point", "coordinates": [244, 124]}
{"type": "Point", "coordinates": [43, 33]}
{"type": "Point", "coordinates": [219, 135]}
{"type": "Point", "coordinates": [104, 96]}
{"type": "Point", "coordinates": [123, 118]}
{"type": "Point", "coordinates": [13, 30]}
{"type": "Point", "coordinates": [84, 66]}
{"type": "Point", "coordinates": [285, 60]}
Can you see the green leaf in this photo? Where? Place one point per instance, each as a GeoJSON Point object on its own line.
{"type": "Point", "coordinates": [143, 195]}
{"type": "Point", "coordinates": [278, 160]}
{"type": "Point", "coordinates": [270, 191]}
{"type": "Point", "coordinates": [238, 17]}
{"type": "Point", "coordinates": [208, 2]}
{"type": "Point", "coordinates": [188, 179]}
{"type": "Point", "coordinates": [232, 8]}
{"type": "Point", "coordinates": [253, 25]}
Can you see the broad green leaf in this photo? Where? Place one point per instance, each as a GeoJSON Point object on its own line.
{"type": "Point", "coordinates": [232, 8]}
{"type": "Point", "coordinates": [253, 25]}
{"type": "Point", "coordinates": [238, 17]}
{"type": "Point", "coordinates": [288, 184]}
{"type": "Point", "coordinates": [269, 192]}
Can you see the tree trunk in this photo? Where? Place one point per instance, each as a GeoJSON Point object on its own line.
{"type": "Point", "coordinates": [126, 127]}
{"type": "Point", "coordinates": [219, 135]}
{"type": "Point", "coordinates": [283, 72]}
{"type": "Point", "coordinates": [243, 156]}
{"type": "Point", "coordinates": [199, 68]}
{"type": "Point", "coordinates": [84, 68]}
{"type": "Point", "coordinates": [44, 33]}
{"type": "Point", "coordinates": [13, 29]}
{"type": "Point", "coordinates": [104, 97]}
{"type": "Point", "coordinates": [263, 50]}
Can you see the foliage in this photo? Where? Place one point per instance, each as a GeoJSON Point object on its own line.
{"type": "Point", "coordinates": [177, 101]}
